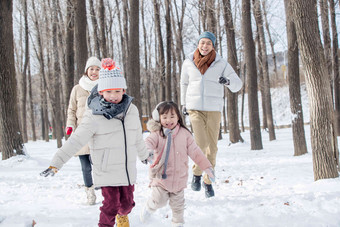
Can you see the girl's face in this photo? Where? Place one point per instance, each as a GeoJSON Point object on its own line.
{"type": "Point", "coordinates": [205, 46]}
{"type": "Point", "coordinates": [93, 72]}
{"type": "Point", "coordinates": [113, 96]}
{"type": "Point", "coordinates": [169, 120]}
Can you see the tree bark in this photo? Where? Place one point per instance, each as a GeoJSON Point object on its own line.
{"type": "Point", "coordinates": [266, 82]}
{"type": "Point", "coordinates": [249, 54]}
{"type": "Point", "coordinates": [11, 142]}
{"type": "Point", "coordinates": [299, 140]}
{"type": "Point", "coordinates": [69, 51]}
{"type": "Point", "coordinates": [95, 29]}
{"type": "Point", "coordinates": [80, 38]}
{"type": "Point", "coordinates": [318, 88]}
{"type": "Point", "coordinates": [232, 98]}
{"type": "Point", "coordinates": [23, 80]}
{"type": "Point", "coordinates": [168, 76]}
{"type": "Point", "coordinates": [160, 48]}
{"type": "Point", "coordinates": [103, 46]}
{"type": "Point", "coordinates": [335, 61]}
{"type": "Point", "coordinates": [133, 61]}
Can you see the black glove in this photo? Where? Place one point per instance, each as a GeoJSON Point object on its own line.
{"type": "Point", "coordinates": [223, 80]}
{"type": "Point", "coordinates": [49, 171]}
{"type": "Point", "coordinates": [184, 110]}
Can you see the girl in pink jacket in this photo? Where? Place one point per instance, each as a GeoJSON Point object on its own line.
{"type": "Point", "coordinates": [172, 144]}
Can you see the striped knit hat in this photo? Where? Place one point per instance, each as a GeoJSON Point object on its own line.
{"type": "Point", "coordinates": [110, 76]}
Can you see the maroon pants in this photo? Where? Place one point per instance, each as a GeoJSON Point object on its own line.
{"type": "Point", "coordinates": [117, 200]}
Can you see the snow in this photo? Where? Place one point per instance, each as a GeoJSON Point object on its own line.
{"type": "Point", "coordinates": [268, 187]}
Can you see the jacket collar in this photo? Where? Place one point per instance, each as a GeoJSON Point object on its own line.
{"type": "Point", "coordinates": [108, 110]}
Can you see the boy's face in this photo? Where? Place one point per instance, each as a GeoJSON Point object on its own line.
{"type": "Point", "coordinates": [93, 72]}
{"type": "Point", "coordinates": [113, 96]}
{"type": "Point", "coordinates": [205, 46]}
{"type": "Point", "coordinates": [169, 120]}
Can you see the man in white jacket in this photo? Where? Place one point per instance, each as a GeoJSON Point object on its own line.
{"type": "Point", "coordinates": [204, 75]}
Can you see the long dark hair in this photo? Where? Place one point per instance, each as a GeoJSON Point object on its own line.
{"type": "Point", "coordinates": [167, 106]}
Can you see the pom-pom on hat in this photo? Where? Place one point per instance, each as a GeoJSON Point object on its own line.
{"type": "Point", "coordinates": [92, 61]}
{"type": "Point", "coordinates": [110, 76]}
{"type": "Point", "coordinates": [208, 35]}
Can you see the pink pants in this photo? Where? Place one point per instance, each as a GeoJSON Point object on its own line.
{"type": "Point", "coordinates": [117, 200]}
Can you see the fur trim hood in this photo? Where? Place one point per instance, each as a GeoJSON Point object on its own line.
{"type": "Point", "coordinates": [153, 126]}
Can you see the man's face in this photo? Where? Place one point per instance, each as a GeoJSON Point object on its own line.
{"type": "Point", "coordinates": [205, 46]}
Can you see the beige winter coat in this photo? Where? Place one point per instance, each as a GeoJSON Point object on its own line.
{"type": "Point", "coordinates": [77, 105]}
{"type": "Point", "coordinates": [114, 146]}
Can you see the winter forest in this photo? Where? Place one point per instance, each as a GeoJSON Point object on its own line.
{"type": "Point", "coordinates": [44, 46]}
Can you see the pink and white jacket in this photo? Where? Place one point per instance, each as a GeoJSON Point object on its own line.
{"type": "Point", "coordinates": [182, 147]}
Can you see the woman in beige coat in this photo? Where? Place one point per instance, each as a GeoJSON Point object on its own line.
{"type": "Point", "coordinates": [75, 112]}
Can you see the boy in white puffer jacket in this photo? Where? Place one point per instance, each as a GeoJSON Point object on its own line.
{"type": "Point", "coordinates": [112, 128]}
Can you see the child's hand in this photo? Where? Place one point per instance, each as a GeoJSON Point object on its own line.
{"type": "Point", "coordinates": [149, 159]}
{"type": "Point", "coordinates": [49, 171]}
{"type": "Point", "coordinates": [211, 173]}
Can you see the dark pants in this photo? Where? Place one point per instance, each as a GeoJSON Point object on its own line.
{"type": "Point", "coordinates": [87, 169]}
{"type": "Point", "coordinates": [117, 200]}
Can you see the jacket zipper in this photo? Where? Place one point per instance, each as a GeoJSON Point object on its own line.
{"type": "Point", "coordinates": [126, 168]}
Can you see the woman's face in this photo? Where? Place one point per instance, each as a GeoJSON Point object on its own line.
{"type": "Point", "coordinates": [205, 46]}
{"type": "Point", "coordinates": [93, 72]}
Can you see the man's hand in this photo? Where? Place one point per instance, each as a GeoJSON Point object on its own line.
{"type": "Point", "coordinates": [223, 80]}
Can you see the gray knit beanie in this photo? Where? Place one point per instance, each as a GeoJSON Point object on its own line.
{"type": "Point", "coordinates": [208, 35]}
{"type": "Point", "coordinates": [92, 61]}
{"type": "Point", "coordinates": [110, 76]}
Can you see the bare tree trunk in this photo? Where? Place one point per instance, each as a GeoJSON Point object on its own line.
{"type": "Point", "coordinates": [102, 29]}
{"type": "Point", "coordinates": [126, 34]}
{"type": "Point", "coordinates": [39, 53]}
{"type": "Point", "coordinates": [55, 82]}
{"type": "Point", "coordinates": [80, 38]}
{"type": "Point", "coordinates": [168, 51]}
{"type": "Point", "coordinates": [298, 129]}
{"type": "Point", "coordinates": [266, 82]}
{"type": "Point", "coordinates": [269, 37]}
{"type": "Point", "coordinates": [261, 83]}
{"type": "Point", "coordinates": [95, 29]}
{"type": "Point", "coordinates": [23, 80]}
{"type": "Point", "coordinates": [335, 61]}
{"type": "Point", "coordinates": [123, 40]}
{"type": "Point", "coordinates": [133, 62]}
{"type": "Point", "coordinates": [318, 88]}
{"type": "Point", "coordinates": [11, 142]}
{"type": "Point", "coordinates": [249, 54]}
{"type": "Point", "coordinates": [69, 51]}
{"type": "Point", "coordinates": [232, 99]}
{"type": "Point", "coordinates": [146, 65]}
{"type": "Point", "coordinates": [326, 36]}
{"type": "Point", "coordinates": [30, 101]}
{"type": "Point", "coordinates": [160, 48]}
{"type": "Point", "coordinates": [211, 16]}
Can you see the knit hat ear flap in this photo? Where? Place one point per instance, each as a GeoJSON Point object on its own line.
{"type": "Point", "coordinates": [155, 113]}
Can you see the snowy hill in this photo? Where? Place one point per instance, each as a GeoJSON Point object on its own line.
{"type": "Point", "coordinates": [269, 187]}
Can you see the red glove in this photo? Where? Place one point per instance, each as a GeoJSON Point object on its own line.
{"type": "Point", "coordinates": [68, 130]}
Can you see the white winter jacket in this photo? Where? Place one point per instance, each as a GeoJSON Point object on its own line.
{"type": "Point", "coordinates": [114, 145]}
{"type": "Point", "coordinates": [204, 92]}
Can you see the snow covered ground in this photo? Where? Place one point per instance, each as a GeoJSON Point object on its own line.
{"type": "Point", "coordinates": [262, 188]}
